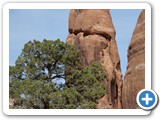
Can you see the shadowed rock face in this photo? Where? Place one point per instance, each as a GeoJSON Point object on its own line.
{"type": "Point", "coordinates": [134, 79]}
{"type": "Point", "coordinates": [93, 33]}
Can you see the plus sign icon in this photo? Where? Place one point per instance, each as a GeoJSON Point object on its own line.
{"type": "Point", "coordinates": [147, 99]}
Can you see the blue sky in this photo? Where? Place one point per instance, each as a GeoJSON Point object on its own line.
{"type": "Point", "coordinates": [26, 25]}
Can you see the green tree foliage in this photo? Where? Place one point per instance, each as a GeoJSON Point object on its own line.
{"type": "Point", "coordinates": [40, 63]}
{"type": "Point", "coordinates": [88, 81]}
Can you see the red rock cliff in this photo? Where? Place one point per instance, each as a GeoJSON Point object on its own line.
{"type": "Point", "coordinates": [134, 79]}
{"type": "Point", "coordinates": [93, 33]}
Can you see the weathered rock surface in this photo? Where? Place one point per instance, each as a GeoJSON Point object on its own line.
{"type": "Point", "coordinates": [11, 102]}
{"type": "Point", "coordinates": [93, 33]}
{"type": "Point", "coordinates": [134, 79]}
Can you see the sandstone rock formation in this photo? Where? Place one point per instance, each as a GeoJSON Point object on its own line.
{"type": "Point", "coordinates": [134, 79]}
{"type": "Point", "coordinates": [93, 33]}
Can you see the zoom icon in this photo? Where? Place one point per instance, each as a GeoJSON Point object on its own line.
{"type": "Point", "coordinates": [147, 99]}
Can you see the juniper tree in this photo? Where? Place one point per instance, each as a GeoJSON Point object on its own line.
{"type": "Point", "coordinates": [32, 79]}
